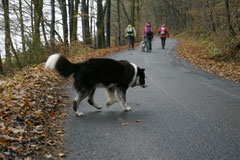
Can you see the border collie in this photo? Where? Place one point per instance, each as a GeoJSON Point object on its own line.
{"type": "Point", "coordinates": [99, 72]}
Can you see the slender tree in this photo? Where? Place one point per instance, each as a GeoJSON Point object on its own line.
{"type": "Point", "coordinates": [22, 26]}
{"type": "Point", "coordinates": [75, 23]}
{"type": "Point", "coordinates": [119, 22]}
{"type": "Point", "coordinates": [5, 4]}
{"type": "Point", "coordinates": [229, 24]}
{"type": "Point", "coordinates": [38, 6]}
{"type": "Point", "coordinates": [64, 20]}
{"type": "Point", "coordinates": [85, 22]}
{"type": "Point", "coordinates": [70, 13]}
{"type": "Point", "coordinates": [100, 26]}
{"type": "Point", "coordinates": [133, 12]}
{"type": "Point", "coordinates": [8, 41]}
{"type": "Point", "coordinates": [52, 27]}
{"type": "Point", "coordinates": [108, 26]}
{"type": "Point", "coordinates": [1, 65]}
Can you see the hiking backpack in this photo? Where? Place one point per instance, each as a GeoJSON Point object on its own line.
{"type": "Point", "coordinates": [163, 31]}
{"type": "Point", "coordinates": [130, 30]}
{"type": "Point", "coordinates": [148, 30]}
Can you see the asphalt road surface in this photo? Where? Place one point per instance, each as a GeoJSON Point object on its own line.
{"type": "Point", "coordinates": [184, 113]}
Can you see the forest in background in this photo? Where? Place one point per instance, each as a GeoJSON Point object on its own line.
{"type": "Point", "coordinates": [32, 112]}
{"type": "Point", "coordinates": [48, 26]}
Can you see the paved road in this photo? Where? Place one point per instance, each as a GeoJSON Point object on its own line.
{"type": "Point", "coordinates": [185, 113]}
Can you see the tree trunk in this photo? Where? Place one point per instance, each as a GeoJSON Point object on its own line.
{"type": "Point", "coordinates": [100, 26]}
{"type": "Point", "coordinates": [38, 6]}
{"type": "Point", "coordinates": [108, 27]}
{"type": "Point", "coordinates": [22, 26]}
{"type": "Point", "coordinates": [44, 32]}
{"type": "Point", "coordinates": [32, 24]}
{"type": "Point", "coordinates": [70, 11]}
{"type": "Point", "coordinates": [133, 13]}
{"type": "Point", "coordinates": [119, 22]}
{"type": "Point", "coordinates": [75, 17]}
{"type": "Point", "coordinates": [230, 27]}
{"type": "Point", "coordinates": [1, 66]}
{"type": "Point", "coordinates": [64, 20]}
{"type": "Point", "coordinates": [52, 27]}
{"type": "Point", "coordinates": [7, 32]}
{"type": "Point", "coordinates": [8, 40]}
{"type": "Point", "coordinates": [85, 22]}
{"type": "Point", "coordinates": [138, 20]}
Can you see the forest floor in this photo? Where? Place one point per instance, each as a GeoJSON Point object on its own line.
{"type": "Point", "coordinates": [198, 54]}
{"type": "Point", "coordinates": [32, 110]}
{"type": "Point", "coordinates": [33, 103]}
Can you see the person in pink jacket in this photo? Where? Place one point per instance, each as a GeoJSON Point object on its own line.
{"type": "Point", "coordinates": [148, 34]}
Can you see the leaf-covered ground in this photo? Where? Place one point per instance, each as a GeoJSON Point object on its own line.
{"type": "Point", "coordinates": [32, 107]}
{"type": "Point", "coordinates": [33, 103]}
{"type": "Point", "coordinates": [197, 53]}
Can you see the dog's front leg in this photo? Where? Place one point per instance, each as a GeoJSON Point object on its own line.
{"type": "Point", "coordinates": [76, 103]}
{"type": "Point", "coordinates": [122, 97]}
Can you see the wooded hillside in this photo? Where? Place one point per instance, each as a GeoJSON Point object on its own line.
{"type": "Point", "coordinates": [33, 29]}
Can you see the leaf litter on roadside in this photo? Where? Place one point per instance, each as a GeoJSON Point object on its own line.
{"type": "Point", "coordinates": [32, 107]}
{"type": "Point", "coordinates": [197, 54]}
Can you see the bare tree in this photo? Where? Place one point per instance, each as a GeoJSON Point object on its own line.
{"type": "Point", "coordinates": [108, 26]}
{"type": "Point", "coordinates": [100, 26]}
{"type": "Point", "coordinates": [38, 6]}
{"type": "Point", "coordinates": [64, 20]}
{"type": "Point", "coordinates": [229, 24]}
{"type": "Point", "coordinates": [70, 13]}
{"type": "Point", "coordinates": [7, 32]}
{"type": "Point", "coordinates": [75, 23]}
{"type": "Point", "coordinates": [52, 27]}
{"type": "Point", "coordinates": [22, 26]}
{"type": "Point", "coordinates": [8, 41]}
{"type": "Point", "coordinates": [85, 22]}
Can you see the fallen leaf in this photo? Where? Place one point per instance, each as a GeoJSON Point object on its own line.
{"type": "Point", "coordinates": [61, 155]}
{"type": "Point", "coordinates": [125, 124]}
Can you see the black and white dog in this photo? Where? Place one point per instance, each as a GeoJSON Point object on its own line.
{"type": "Point", "coordinates": [99, 72]}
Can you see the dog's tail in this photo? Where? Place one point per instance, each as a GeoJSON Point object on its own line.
{"type": "Point", "coordinates": [63, 66]}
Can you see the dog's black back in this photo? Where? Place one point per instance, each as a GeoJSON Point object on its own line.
{"type": "Point", "coordinates": [103, 72]}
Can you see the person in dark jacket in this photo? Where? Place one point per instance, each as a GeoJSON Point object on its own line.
{"type": "Point", "coordinates": [148, 34]}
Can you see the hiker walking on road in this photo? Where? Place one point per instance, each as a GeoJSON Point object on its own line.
{"type": "Point", "coordinates": [148, 34]}
{"type": "Point", "coordinates": [130, 34]}
{"type": "Point", "coordinates": [164, 33]}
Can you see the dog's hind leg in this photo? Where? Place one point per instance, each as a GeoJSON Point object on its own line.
{"type": "Point", "coordinates": [91, 100]}
{"type": "Point", "coordinates": [111, 96]}
{"type": "Point", "coordinates": [80, 96]}
{"type": "Point", "coordinates": [122, 97]}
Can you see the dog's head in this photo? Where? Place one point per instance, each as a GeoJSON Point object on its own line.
{"type": "Point", "coordinates": [140, 81]}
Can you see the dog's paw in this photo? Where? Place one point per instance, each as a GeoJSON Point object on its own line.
{"type": "Point", "coordinates": [98, 107]}
{"type": "Point", "coordinates": [128, 109]}
{"type": "Point", "coordinates": [79, 114]}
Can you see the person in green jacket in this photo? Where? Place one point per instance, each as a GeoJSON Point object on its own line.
{"type": "Point", "coordinates": [130, 34]}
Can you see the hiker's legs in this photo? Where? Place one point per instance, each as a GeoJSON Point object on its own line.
{"type": "Point", "coordinates": [129, 41]}
{"type": "Point", "coordinates": [163, 39]}
{"type": "Point", "coordinates": [132, 42]}
{"type": "Point", "coordinates": [150, 42]}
